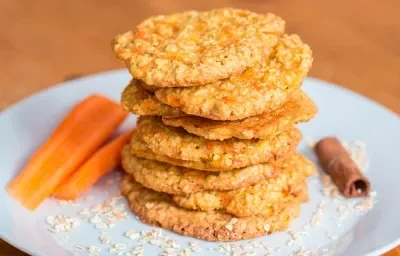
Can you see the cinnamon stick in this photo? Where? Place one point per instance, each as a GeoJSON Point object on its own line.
{"type": "Point", "coordinates": [344, 172]}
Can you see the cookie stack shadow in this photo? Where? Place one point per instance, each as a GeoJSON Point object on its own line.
{"type": "Point", "coordinates": [214, 153]}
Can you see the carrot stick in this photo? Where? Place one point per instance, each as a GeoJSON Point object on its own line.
{"type": "Point", "coordinates": [104, 160]}
{"type": "Point", "coordinates": [84, 129]}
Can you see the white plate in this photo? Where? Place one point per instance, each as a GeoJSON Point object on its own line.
{"type": "Point", "coordinates": [24, 126]}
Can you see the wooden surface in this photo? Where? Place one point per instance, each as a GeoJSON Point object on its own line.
{"type": "Point", "coordinates": [355, 43]}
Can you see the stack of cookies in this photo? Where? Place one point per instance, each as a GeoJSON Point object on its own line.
{"type": "Point", "coordinates": [218, 94]}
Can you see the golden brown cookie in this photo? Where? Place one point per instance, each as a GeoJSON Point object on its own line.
{"type": "Point", "coordinates": [299, 108]}
{"type": "Point", "coordinates": [228, 154]}
{"type": "Point", "coordinates": [139, 148]}
{"type": "Point", "coordinates": [194, 48]}
{"type": "Point", "coordinates": [258, 199]}
{"type": "Point", "coordinates": [157, 209]}
{"type": "Point", "coordinates": [140, 101]}
{"type": "Point", "coordinates": [262, 88]}
{"type": "Point", "coordinates": [178, 180]}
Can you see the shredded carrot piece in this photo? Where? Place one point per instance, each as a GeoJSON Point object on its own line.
{"type": "Point", "coordinates": [104, 160]}
{"type": "Point", "coordinates": [81, 133]}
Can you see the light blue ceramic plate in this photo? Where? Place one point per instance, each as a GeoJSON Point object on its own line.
{"type": "Point", "coordinates": [24, 126]}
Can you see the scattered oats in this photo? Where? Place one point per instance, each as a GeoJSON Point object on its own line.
{"type": "Point", "coordinates": [96, 208]}
{"type": "Point", "coordinates": [95, 219]}
{"type": "Point", "coordinates": [112, 249]}
{"type": "Point", "coordinates": [296, 235]}
{"type": "Point", "coordinates": [330, 236]}
{"type": "Point", "coordinates": [61, 223]}
{"type": "Point", "coordinates": [268, 254]}
{"type": "Point", "coordinates": [219, 249]}
{"type": "Point", "coordinates": [101, 225]}
{"type": "Point", "coordinates": [226, 248]}
{"type": "Point", "coordinates": [155, 242]}
{"type": "Point", "coordinates": [195, 248]}
{"type": "Point", "coordinates": [268, 248]}
{"type": "Point", "coordinates": [289, 242]}
{"type": "Point", "coordinates": [80, 247]}
{"type": "Point", "coordinates": [175, 245]}
{"type": "Point", "coordinates": [168, 252]}
{"type": "Point", "coordinates": [105, 239]}
{"type": "Point", "coordinates": [185, 252]}
{"type": "Point", "coordinates": [120, 246]}
{"type": "Point", "coordinates": [138, 250]}
{"type": "Point", "coordinates": [119, 253]}
{"type": "Point", "coordinates": [111, 225]}
{"type": "Point", "coordinates": [322, 205]}
{"type": "Point", "coordinates": [267, 227]}
{"type": "Point", "coordinates": [111, 218]}
{"type": "Point", "coordinates": [365, 204]}
{"type": "Point", "coordinates": [94, 249]}
{"type": "Point", "coordinates": [84, 212]}
{"type": "Point", "coordinates": [302, 252]}
{"type": "Point", "coordinates": [131, 234]}
{"type": "Point", "coordinates": [278, 249]}
{"type": "Point", "coordinates": [316, 219]}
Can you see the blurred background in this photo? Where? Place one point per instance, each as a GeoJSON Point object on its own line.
{"type": "Point", "coordinates": [356, 43]}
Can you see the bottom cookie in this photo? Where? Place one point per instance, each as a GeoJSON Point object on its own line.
{"type": "Point", "coordinates": [157, 209]}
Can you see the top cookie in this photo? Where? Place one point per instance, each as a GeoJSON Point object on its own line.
{"type": "Point", "coordinates": [259, 89]}
{"type": "Point", "coordinates": [196, 48]}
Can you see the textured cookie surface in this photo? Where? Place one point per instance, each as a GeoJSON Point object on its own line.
{"type": "Point", "coordinates": [173, 179]}
{"type": "Point", "coordinates": [231, 153]}
{"type": "Point", "coordinates": [259, 89]}
{"type": "Point", "coordinates": [157, 209]}
{"type": "Point", "coordinates": [298, 108]}
{"type": "Point", "coordinates": [140, 101]}
{"type": "Point", "coordinates": [259, 199]}
{"type": "Point", "coordinates": [139, 148]}
{"type": "Point", "coordinates": [194, 48]}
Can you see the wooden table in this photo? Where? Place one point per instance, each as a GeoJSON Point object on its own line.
{"type": "Point", "coordinates": [355, 43]}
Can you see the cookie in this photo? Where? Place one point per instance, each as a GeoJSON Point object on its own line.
{"type": "Point", "coordinates": [258, 199]}
{"type": "Point", "coordinates": [228, 154]}
{"type": "Point", "coordinates": [140, 101]}
{"type": "Point", "coordinates": [157, 209]}
{"type": "Point", "coordinates": [299, 108]}
{"type": "Point", "coordinates": [195, 48]}
{"type": "Point", "coordinates": [178, 180]}
{"type": "Point", "coordinates": [264, 87]}
{"type": "Point", "coordinates": [139, 148]}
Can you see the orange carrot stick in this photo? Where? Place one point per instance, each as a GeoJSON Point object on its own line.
{"type": "Point", "coordinates": [104, 160]}
{"type": "Point", "coordinates": [84, 129]}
